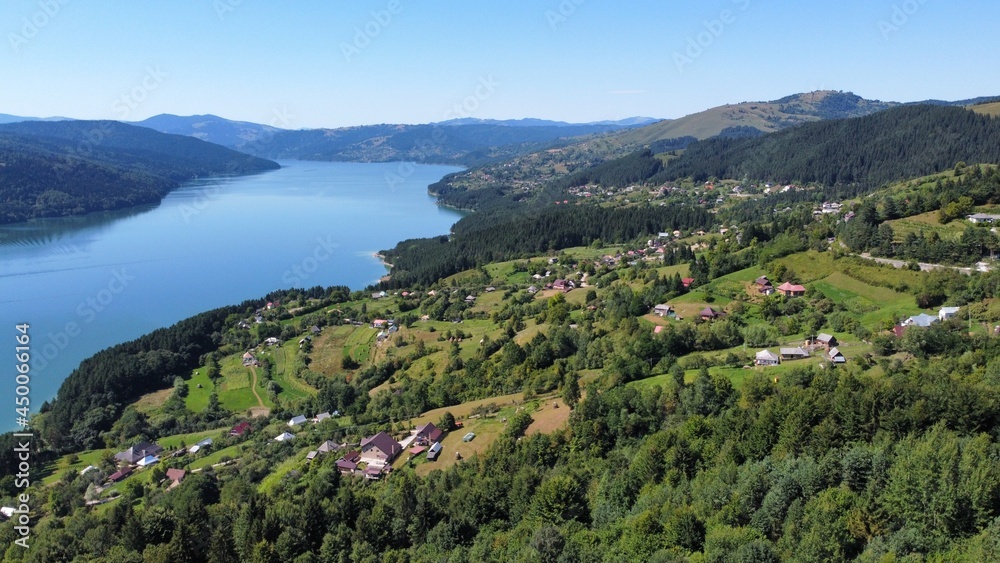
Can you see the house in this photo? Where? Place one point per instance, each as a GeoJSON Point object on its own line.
{"type": "Point", "coordinates": [346, 466]}
{"type": "Point", "coordinates": [295, 421]}
{"type": "Point", "coordinates": [983, 218]}
{"type": "Point", "coordinates": [767, 358]}
{"type": "Point", "coordinates": [661, 310]}
{"type": "Point", "coordinates": [433, 451]}
{"type": "Point", "coordinates": [240, 429]}
{"type": "Point", "coordinates": [791, 290]}
{"type": "Point", "coordinates": [120, 474]}
{"type": "Point", "coordinates": [321, 417]}
{"type": "Point", "coordinates": [148, 460]}
{"type": "Point", "coordinates": [686, 282]}
{"type": "Point", "coordinates": [327, 447]}
{"type": "Point", "coordinates": [657, 329]}
{"type": "Point", "coordinates": [176, 475]}
{"type": "Point", "coordinates": [898, 331]}
{"type": "Point", "coordinates": [379, 449]}
{"type": "Point", "coordinates": [353, 456]}
{"type": "Point", "coordinates": [284, 437]}
{"type": "Point", "coordinates": [708, 314]}
{"type": "Point", "coordinates": [428, 434]}
{"type": "Point", "coordinates": [375, 472]}
{"type": "Point", "coordinates": [947, 312]}
{"type": "Point", "coordinates": [532, 289]}
{"type": "Point", "coordinates": [826, 340]}
{"type": "Point", "coordinates": [250, 360]}
{"type": "Point", "coordinates": [315, 329]}
{"type": "Point", "coordinates": [490, 289]}
{"type": "Point", "coordinates": [243, 324]}
{"type": "Point", "coordinates": [836, 356]}
{"type": "Point", "coordinates": [764, 285]}
{"type": "Point", "coordinates": [923, 319]}
{"type": "Point", "coordinates": [379, 323]}
{"type": "Point", "coordinates": [138, 452]}
{"type": "Point", "coordinates": [563, 285]}
{"type": "Point", "coordinates": [272, 341]}
{"type": "Point", "coordinates": [87, 469]}
{"type": "Point", "coordinates": [793, 353]}
{"type": "Point", "coordinates": [470, 298]}
{"type": "Point", "coordinates": [311, 455]}
{"type": "Point", "coordinates": [417, 450]}
{"type": "Point", "coordinates": [200, 445]}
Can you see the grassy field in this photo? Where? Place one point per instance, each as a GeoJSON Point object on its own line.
{"type": "Point", "coordinates": [292, 387]}
{"type": "Point", "coordinates": [328, 348]}
{"type": "Point", "coordinates": [927, 223]}
{"type": "Point", "coordinates": [359, 344]}
{"type": "Point", "coordinates": [808, 266]}
{"type": "Point", "coordinates": [871, 303]}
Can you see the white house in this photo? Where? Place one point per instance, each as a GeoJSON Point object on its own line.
{"type": "Point", "coordinates": [284, 437]}
{"type": "Point", "coordinates": [767, 358]}
{"type": "Point", "coordinates": [300, 419]}
{"type": "Point", "coordinates": [947, 312]}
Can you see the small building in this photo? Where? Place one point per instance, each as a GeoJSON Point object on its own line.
{"type": "Point", "coordinates": [379, 449]}
{"type": "Point", "coordinates": [327, 447]}
{"type": "Point", "coordinates": [315, 329]}
{"type": "Point", "coordinates": [791, 290]}
{"type": "Point", "coordinates": [148, 460]}
{"type": "Point", "coordinates": [662, 310]}
{"type": "Point", "coordinates": [311, 455]}
{"type": "Point", "coordinates": [284, 437]}
{"type": "Point", "coordinates": [922, 320]}
{"type": "Point", "coordinates": [427, 434]}
{"type": "Point", "coordinates": [176, 475]}
{"type": "Point", "coordinates": [686, 282]}
{"type": "Point", "coordinates": [138, 452]}
{"type": "Point", "coordinates": [249, 359]}
{"type": "Point", "coordinates": [836, 356]}
{"type": "Point", "coordinates": [120, 474]}
{"type": "Point", "coordinates": [434, 451]}
{"type": "Point", "coordinates": [297, 420]}
{"type": "Point", "coordinates": [563, 285]}
{"type": "Point", "coordinates": [272, 341]}
{"type": "Point", "coordinates": [764, 286]}
{"type": "Point", "coordinates": [379, 323]}
{"type": "Point", "coordinates": [983, 218]}
{"type": "Point", "coordinates": [470, 298]}
{"type": "Point", "coordinates": [767, 358]}
{"type": "Point", "coordinates": [793, 353]}
{"type": "Point", "coordinates": [657, 329]}
{"type": "Point", "coordinates": [321, 417]}
{"type": "Point", "coordinates": [826, 340]}
{"type": "Point", "coordinates": [709, 314]}
{"type": "Point", "coordinates": [532, 289]}
{"type": "Point", "coordinates": [240, 429]}
{"type": "Point", "coordinates": [200, 445]}
{"type": "Point", "coordinates": [345, 466]}
{"type": "Point", "coordinates": [947, 312]}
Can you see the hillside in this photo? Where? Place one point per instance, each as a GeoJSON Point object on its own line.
{"type": "Point", "coordinates": [53, 169]}
{"type": "Point", "coordinates": [865, 151]}
{"type": "Point", "coordinates": [211, 128]}
{"type": "Point", "coordinates": [764, 116]}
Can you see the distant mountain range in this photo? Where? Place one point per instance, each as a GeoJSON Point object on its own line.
{"type": "Point", "coordinates": [52, 169]}
{"type": "Point", "coordinates": [7, 118]}
{"type": "Point", "coordinates": [459, 141]}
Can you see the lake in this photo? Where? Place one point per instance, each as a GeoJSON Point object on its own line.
{"type": "Point", "coordinates": [86, 283]}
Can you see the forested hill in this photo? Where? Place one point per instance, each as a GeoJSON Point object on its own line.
{"type": "Point", "coordinates": [52, 169]}
{"type": "Point", "coordinates": [871, 150]}
{"type": "Point", "coordinates": [436, 143]}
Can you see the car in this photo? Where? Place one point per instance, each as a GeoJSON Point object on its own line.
{"type": "Point", "coordinates": [469, 437]}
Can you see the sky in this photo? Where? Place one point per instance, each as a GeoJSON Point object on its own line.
{"type": "Point", "coordinates": [308, 64]}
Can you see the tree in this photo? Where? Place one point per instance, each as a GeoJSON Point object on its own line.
{"type": "Point", "coordinates": [571, 390]}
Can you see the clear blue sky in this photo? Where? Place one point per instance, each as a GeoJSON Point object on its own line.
{"type": "Point", "coordinates": [329, 64]}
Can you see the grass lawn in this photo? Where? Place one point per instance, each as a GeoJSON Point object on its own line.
{"type": "Point", "coordinates": [872, 304]}
{"type": "Point", "coordinates": [360, 342]}
{"type": "Point", "coordinates": [808, 266]}
{"type": "Point", "coordinates": [328, 349]}
{"type": "Point", "coordinates": [291, 387]}
{"type": "Point", "coordinates": [928, 223]}
{"type": "Point", "coordinates": [197, 399]}
{"type": "Point", "coordinates": [54, 471]}
{"type": "Point", "coordinates": [683, 270]}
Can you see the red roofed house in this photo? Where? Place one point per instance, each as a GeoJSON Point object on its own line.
{"type": "Point", "coordinates": [428, 434]}
{"type": "Point", "coordinates": [791, 290]}
{"type": "Point", "coordinates": [379, 449]}
{"type": "Point", "coordinates": [708, 314]}
{"type": "Point", "coordinates": [175, 475]}
{"type": "Point", "coordinates": [764, 285]}
{"type": "Point", "coordinates": [379, 323]}
{"type": "Point", "coordinates": [686, 282]}
{"type": "Point", "coordinates": [240, 429]}
{"type": "Point", "coordinates": [120, 474]}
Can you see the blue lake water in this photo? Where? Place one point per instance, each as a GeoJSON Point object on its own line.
{"type": "Point", "coordinates": [86, 283]}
